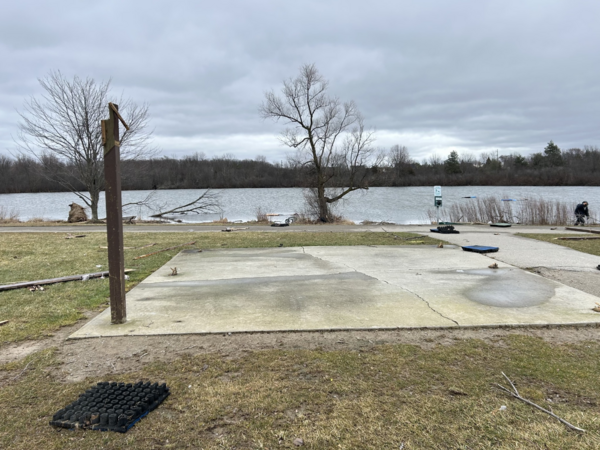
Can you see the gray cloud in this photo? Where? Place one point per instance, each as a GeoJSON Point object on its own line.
{"type": "Point", "coordinates": [469, 75]}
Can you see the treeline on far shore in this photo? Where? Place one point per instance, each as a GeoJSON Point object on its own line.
{"type": "Point", "coordinates": [395, 167]}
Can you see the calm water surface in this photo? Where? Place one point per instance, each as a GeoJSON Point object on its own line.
{"type": "Point", "coordinates": [401, 205]}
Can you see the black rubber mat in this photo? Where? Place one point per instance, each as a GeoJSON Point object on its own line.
{"type": "Point", "coordinates": [111, 406]}
{"type": "Point", "coordinates": [448, 229]}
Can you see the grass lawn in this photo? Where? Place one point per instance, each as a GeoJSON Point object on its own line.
{"type": "Point", "coordinates": [367, 396]}
{"type": "Point", "coordinates": [591, 246]}
{"type": "Point", "coordinates": [377, 398]}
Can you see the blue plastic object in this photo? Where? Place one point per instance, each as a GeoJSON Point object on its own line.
{"type": "Point", "coordinates": [480, 249]}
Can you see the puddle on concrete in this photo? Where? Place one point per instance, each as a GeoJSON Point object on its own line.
{"type": "Point", "coordinates": [509, 288]}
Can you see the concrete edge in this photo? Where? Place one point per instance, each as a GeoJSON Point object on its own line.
{"type": "Point", "coordinates": [331, 330]}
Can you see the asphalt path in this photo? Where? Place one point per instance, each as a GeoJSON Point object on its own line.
{"type": "Point", "coordinates": [188, 227]}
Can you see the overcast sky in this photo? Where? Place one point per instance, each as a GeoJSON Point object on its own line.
{"type": "Point", "coordinates": [474, 76]}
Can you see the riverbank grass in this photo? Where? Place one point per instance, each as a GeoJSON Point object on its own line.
{"type": "Point", "coordinates": [35, 256]}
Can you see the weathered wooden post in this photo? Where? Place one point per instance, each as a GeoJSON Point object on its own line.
{"type": "Point", "coordinates": [114, 213]}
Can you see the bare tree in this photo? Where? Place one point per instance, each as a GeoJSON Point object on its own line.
{"type": "Point", "coordinates": [398, 156]}
{"type": "Point", "coordinates": [63, 125]}
{"type": "Point", "coordinates": [329, 136]}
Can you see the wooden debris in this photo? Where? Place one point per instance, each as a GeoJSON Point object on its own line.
{"type": "Point", "coordinates": [583, 230]}
{"type": "Point", "coordinates": [493, 266]}
{"type": "Point", "coordinates": [173, 271]}
{"type": "Point", "coordinates": [586, 238]}
{"type": "Point", "coordinates": [440, 245]}
{"type": "Point", "coordinates": [165, 249]}
{"type": "Point", "coordinates": [70, 236]}
{"type": "Point", "coordinates": [235, 229]}
{"type": "Point", "coordinates": [4, 322]}
{"type": "Point", "coordinates": [516, 395]}
{"type": "Point", "coordinates": [38, 283]}
{"type": "Point", "coordinates": [596, 308]}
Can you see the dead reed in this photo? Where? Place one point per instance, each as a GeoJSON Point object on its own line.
{"type": "Point", "coordinates": [8, 215]}
{"type": "Point", "coordinates": [536, 211]}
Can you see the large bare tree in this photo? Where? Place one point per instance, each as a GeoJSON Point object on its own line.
{"type": "Point", "coordinates": [329, 136]}
{"type": "Point", "coordinates": [61, 129]}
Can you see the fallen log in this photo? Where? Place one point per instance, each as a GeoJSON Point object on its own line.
{"type": "Point", "coordinates": [582, 229]}
{"type": "Point", "coordinates": [578, 238]}
{"type": "Point", "coordinates": [8, 287]}
{"type": "Point", "coordinates": [4, 322]}
{"type": "Point", "coordinates": [164, 250]}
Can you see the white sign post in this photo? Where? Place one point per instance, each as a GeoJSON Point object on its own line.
{"type": "Point", "coordinates": [437, 201]}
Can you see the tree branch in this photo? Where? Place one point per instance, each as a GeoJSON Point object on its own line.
{"type": "Point", "coordinates": [516, 395]}
{"type": "Point", "coordinates": [207, 203]}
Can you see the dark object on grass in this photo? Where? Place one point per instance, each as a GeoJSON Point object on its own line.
{"type": "Point", "coordinates": [280, 224]}
{"type": "Point", "coordinates": [500, 225]}
{"type": "Point", "coordinates": [447, 229]}
{"type": "Point", "coordinates": [596, 268]}
{"type": "Point", "coordinates": [480, 249]}
{"type": "Point", "coordinates": [111, 406]}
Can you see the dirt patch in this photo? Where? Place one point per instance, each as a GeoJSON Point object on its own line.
{"type": "Point", "coordinates": [104, 356]}
{"type": "Point", "coordinates": [588, 281]}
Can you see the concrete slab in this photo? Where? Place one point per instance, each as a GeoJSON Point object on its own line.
{"type": "Point", "coordinates": [326, 288]}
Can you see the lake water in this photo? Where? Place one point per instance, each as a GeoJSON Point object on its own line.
{"type": "Point", "coordinates": [402, 205]}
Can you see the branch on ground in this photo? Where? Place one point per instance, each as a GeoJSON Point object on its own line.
{"type": "Point", "coordinates": [516, 395]}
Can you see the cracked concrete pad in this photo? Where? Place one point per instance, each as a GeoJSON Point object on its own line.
{"type": "Point", "coordinates": [325, 288]}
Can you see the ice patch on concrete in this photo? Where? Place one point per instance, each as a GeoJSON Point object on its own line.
{"type": "Point", "coordinates": [509, 288]}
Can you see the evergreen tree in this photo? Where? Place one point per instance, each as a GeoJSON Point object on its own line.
{"type": "Point", "coordinates": [520, 161]}
{"type": "Point", "coordinates": [452, 164]}
{"type": "Point", "coordinates": [553, 155]}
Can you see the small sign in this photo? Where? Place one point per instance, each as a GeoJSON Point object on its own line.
{"type": "Point", "coordinates": [437, 191]}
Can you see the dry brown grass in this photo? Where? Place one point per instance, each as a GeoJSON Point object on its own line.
{"type": "Point", "coordinates": [8, 215]}
{"type": "Point", "coordinates": [536, 211]}
{"type": "Point", "coordinates": [374, 397]}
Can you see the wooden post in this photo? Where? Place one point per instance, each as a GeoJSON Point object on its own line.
{"type": "Point", "coordinates": [114, 214]}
